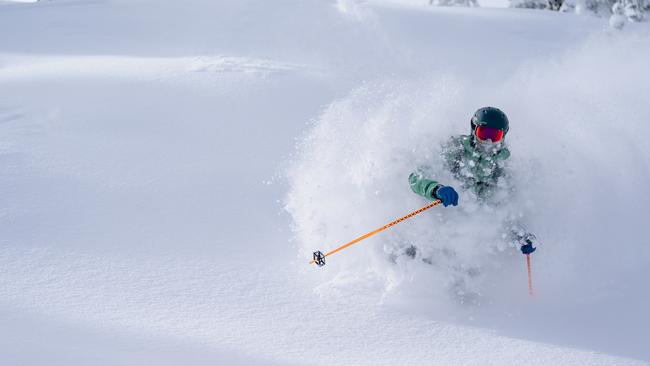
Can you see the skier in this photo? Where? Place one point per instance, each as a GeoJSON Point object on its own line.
{"type": "Point", "coordinates": [476, 160]}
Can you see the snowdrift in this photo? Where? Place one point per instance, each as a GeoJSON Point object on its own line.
{"type": "Point", "coordinates": [143, 206]}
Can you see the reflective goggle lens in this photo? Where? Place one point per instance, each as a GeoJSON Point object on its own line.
{"type": "Point", "coordinates": [487, 133]}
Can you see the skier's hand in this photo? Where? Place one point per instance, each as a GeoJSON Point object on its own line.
{"type": "Point", "coordinates": [447, 195]}
{"type": "Point", "coordinates": [527, 242]}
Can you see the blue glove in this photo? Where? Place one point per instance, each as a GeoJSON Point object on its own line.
{"type": "Point", "coordinates": [527, 244]}
{"type": "Point", "coordinates": [528, 249]}
{"type": "Point", "coordinates": [447, 195]}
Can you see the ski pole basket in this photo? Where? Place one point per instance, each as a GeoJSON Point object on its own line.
{"type": "Point", "coordinates": [319, 258]}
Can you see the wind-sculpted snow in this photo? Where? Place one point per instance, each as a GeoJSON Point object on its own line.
{"type": "Point", "coordinates": [187, 69]}
{"type": "Point", "coordinates": [580, 160]}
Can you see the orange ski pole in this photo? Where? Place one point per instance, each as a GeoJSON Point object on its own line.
{"type": "Point", "coordinates": [530, 276]}
{"type": "Point", "coordinates": [319, 257]}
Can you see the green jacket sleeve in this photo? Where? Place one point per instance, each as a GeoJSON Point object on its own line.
{"type": "Point", "coordinates": [423, 186]}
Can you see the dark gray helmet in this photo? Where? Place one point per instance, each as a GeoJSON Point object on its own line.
{"type": "Point", "coordinates": [490, 117]}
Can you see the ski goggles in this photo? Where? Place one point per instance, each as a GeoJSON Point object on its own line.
{"type": "Point", "coordinates": [487, 133]}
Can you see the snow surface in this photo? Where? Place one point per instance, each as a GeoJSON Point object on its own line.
{"type": "Point", "coordinates": [167, 168]}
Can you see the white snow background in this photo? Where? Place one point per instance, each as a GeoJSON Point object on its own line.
{"type": "Point", "coordinates": [167, 167]}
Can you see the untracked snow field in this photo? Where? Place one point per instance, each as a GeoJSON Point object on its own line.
{"type": "Point", "coordinates": [167, 168]}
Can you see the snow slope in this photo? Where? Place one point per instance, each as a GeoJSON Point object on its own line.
{"type": "Point", "coordinates": [156, 210]}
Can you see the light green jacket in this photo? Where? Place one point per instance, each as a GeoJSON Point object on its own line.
{"type": "Point", "coordinates": [478, 171]}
